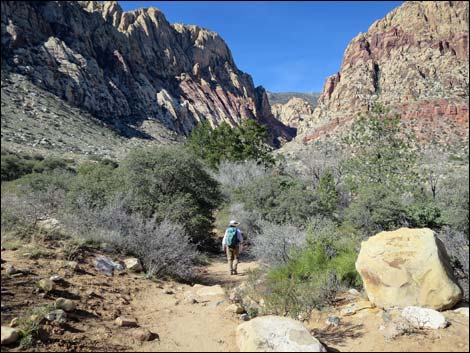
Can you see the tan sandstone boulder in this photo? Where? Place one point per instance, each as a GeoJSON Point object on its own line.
{"type": "Point", "coordinates": [407, 267]}
{"type": "Point", "coordinates": [276, 334]}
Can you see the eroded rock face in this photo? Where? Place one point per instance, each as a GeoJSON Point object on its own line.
{"type": "Point", "coordinates": [130, 66]}
{"type": "Point", "coordinates": [407, 267]}
{"type": "Point", "coordinates": [414, 60]}
{"type": "Point", "coordinates": [292, 113]}
{"type": "Point", "coordinates": [276, 334]}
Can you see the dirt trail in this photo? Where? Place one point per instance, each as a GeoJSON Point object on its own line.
{"type": "Point", "coordinates": [186, 327]}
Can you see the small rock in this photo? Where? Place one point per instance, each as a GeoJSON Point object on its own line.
{"type": "Point", "coordinates": [424, 318]}
{"type": "Point", "coordinates": [46, 285]}
{"type": "Point", "coordinates": [73, 265]}
{"type": "Point", "coordinates": [64, 304]}
{"type": "Point", "coordinates": [55, 278]}
{"type": "Point", "coordinates": [353, 308]}
{"type": "Point", "coordinates": [58, 316]}
{"type": "Point", "coordinates": [333, 321]}
{"type": "Point", "coordinates": [190, 298]}
{"type": "Point", "coordinates": [125, 322]}
{"type": "Point", "coordinates": [133, 264]}
{"type": "Point", "coordinates": [235, 308]}
{"type": "Point", "coordinates": [9, 335]}
{"type": "Point", "coordinates": [462, 311]}
{"type": "Point", "coordinates": [244, 317]}
{"type": "Point", "coordinates": [12, 270]}
{"type": "Point", "coordinates": [14, 322]}
{"type": "Point", "coordinates": [235, 297]}
{"type": "Point", "coordinates": [144, 335]}
{"type": "Point", "coordinates": [354, 292]}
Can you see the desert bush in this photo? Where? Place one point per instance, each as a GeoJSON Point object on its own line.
{"type": "Point", "coordinates": [457, 246]}
{"type": "Point", "coordinates": [275, 244]}
{"type": "Point", "coordinates": [163, 247]}
{"type": "Point", "coordinates": [376, 208]}
{"type": "Point", "coordinates": [14, 167]}
{"type": "Point", "coordinates": [232, 175]}
{"type": "Point", "coordinates": [279, 199]}
{"type": "Point", "coordinates": [21, 211]}
{"type": "Point", "coordinates": [314, 273]}
{"type": "Point", "coordinates": [169, 183]}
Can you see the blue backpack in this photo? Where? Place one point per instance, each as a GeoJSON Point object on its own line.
{"type": "Point", "coordinates": [232, 238]}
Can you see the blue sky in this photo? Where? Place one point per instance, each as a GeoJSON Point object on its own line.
{"type": "Point", "coordinates": [284, 45]}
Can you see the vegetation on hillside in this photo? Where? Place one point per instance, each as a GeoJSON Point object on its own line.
{"type": "Point", "coordinates": [304, 224]}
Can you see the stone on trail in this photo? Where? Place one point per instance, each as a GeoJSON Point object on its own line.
{"type": "Point", "coordinates": [142, 334]}
{"type": "Point", "coordinates": [125, 322]}
{"type": "Point", "coordinates": [462, 311]}
{"type": "Point", "coordinates": [407, 267]}
{"type": "Point", "coordinates": [424, 318]}
{"type": "Point", "coordinates": [276, 334]}
{"type": "Point", "coordinates": [12, 270]}
{"type": "Point", "coordinates": [333, 321]}
{"type": "Point", "coordinates": [9, 335]}
{"type": "Point", "coordinates": [55, 278]}
{"type": "Point", "coordinates": [235, 309]}
{"type": "Point", "coordinates": [353, 308]}
{"type": "Point", "coordinates": [133, 264]}
{"type": "Point", "coordinates": [58, 316]}
{"type": "Point", "coordinates": [209, 291]}
{"type": "Point", "coordinates": [64, 304]}
{"type": "Point", "coordinates": [46, 285]}
{"type": "Point", "coordinates": [73, 265]}
{"type": "Point", "coordinates": [107, 266]}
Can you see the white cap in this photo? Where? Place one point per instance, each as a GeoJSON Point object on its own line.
{"type": "Point", "coordinates": [234, 223]}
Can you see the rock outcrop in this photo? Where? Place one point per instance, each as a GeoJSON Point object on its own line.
{"type": "Point", "coordinates": [130, 67]}
{"type": "Point", "coordinates": [292, 113]}
{"type": "Point", "coordinates": [276, 334]}
{"type": "Point", "coordinates": [407, 267]}
{"type": "Point", "coordinates": [415, 60]}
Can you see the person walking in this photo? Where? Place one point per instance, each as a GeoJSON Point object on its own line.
{"type": "Point", "coordinates": [232, 245]}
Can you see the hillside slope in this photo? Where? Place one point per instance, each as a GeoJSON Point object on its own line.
{"type": "Point", "coordinates": [128, 68]}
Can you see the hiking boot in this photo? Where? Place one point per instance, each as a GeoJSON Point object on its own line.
{"type": "Point", "coordinates": [232, 273]}
{"type": "Point", "coordinates": [235, 272]}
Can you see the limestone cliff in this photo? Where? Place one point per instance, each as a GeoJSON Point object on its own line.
{"type": "Point", "coordinates": [128, 67]}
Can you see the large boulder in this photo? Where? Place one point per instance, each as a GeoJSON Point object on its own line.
{"type": "Point", "coordinates": [276, 334]}
{"type": "Point", "coordinates": [407, 267]}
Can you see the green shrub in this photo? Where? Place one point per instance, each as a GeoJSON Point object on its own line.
{"type": "Point", "coordinates": [245, 142]}
{"type": "Point", "coordinates": [169, 183]}
{"type": "Point", "coordinates": [424, 213]}
{"type": "Point", "coordinates": [279, 199]}
{"type": "Point", "coordinates": [314, 276]}
{"type": "Point", "coordinates": [376, 208]}
{"type": "Point", "coordinates": [13, 166]}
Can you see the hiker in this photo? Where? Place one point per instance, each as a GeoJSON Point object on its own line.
{"type": "Point", "coordinates": [232, 245]}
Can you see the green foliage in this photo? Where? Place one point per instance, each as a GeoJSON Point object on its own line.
{"type": "Point", "coordinates": [328, 196]}
{"type": "Point", "coordinates": [95, 183]}
{"type": "Point", "coordinates": [424, 213]}
{"type": "Point", "coordinates": [245, 142]}
{"type": "Point", "coordinates": [376, 208]}
{"type": "Point", "coordinates": [16, 165]}
{"type": "Point", "coordinates": [313, 277]}
{"type": "Point", "coordinates": [383, 152]}
{"type": "Point", "coordinates": [168, 183]}
{"type": "Point", "coordinates": [279, 199]}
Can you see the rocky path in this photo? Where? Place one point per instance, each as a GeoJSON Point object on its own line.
{"type": "Point", "coordinates": [185, 325]}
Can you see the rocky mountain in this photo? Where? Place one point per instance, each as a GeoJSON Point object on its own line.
{"type": "Point", "coordinates": [129, 69]}
{"type": "Point", "coordinates": [293, 112]}
{"type": "Point", "coordinates": [414, 60]}
{"type": "Point", "coordinates": [284, 97]}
